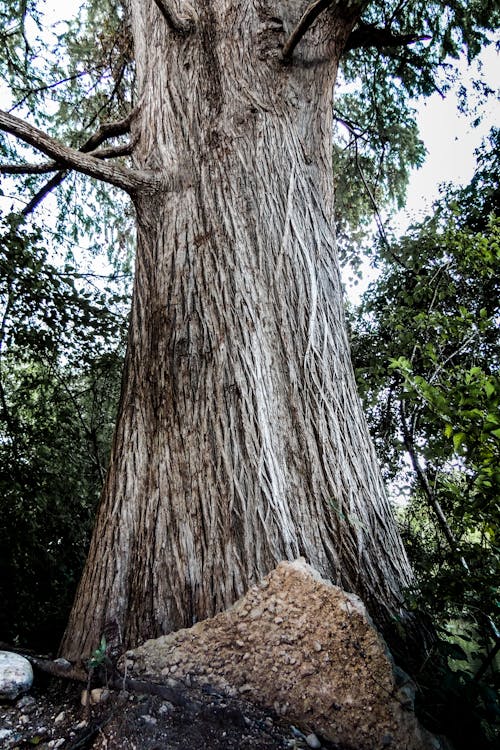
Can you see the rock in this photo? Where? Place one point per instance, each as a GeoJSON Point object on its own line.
{"type": "Point", "coordinates": [16, 675]}
{"type": "Point", "coordinates": [312, 741]}
{"type": "Point", "coordinates": [27, 703]}
{"type": "Point", "coordinates": [97, 695]}
{"type": "Point", "coordinates": [147, 719]}
{"type": "Point", "coordinates": [338, 678]}
{"type": "Point", "coordinates": [60, 717]}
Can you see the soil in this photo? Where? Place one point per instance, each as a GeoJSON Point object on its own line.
{"type": "Point", "coordinates": [52, 716]}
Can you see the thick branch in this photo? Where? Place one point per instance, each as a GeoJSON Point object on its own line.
{"type": "Point", "coordinates": [367, 35]}
{"type": "Point", "coordinates": [310, 15]}
{"type": "Point", "coordinates": [106, 131]}
{"type": "Point", "coordinates": [121, 177]}
{"type": "Point", "coordinates": [174, 21]}
{"type": "Point", "coordinates": [43, 168]}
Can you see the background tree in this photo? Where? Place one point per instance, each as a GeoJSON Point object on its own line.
{"type": "Point", "coordinates": [60, 364]}
{"type": "Point", "coordinates": [426, 348]}
{"type": "Point", "coordinates": [240, 439]}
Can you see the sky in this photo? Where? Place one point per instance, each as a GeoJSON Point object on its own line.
{"type": "Point", "coordinates": [450, 138]}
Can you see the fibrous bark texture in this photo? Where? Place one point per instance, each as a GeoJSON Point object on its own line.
{"type": "Point", "coordinates": [240, 440]}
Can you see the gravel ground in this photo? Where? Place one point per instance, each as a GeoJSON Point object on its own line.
{"type": "Point", "coordinates": [52, 716]}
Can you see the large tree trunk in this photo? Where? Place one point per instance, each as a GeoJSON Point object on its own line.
{"type": "Point", "coordinates": [240, 439]}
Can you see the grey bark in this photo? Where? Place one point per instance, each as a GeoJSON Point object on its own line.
{"type": "Point", "coordinates": [240, 440]}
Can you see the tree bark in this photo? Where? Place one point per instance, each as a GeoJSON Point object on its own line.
{"type": "Point", "coordinates": [240, 439]}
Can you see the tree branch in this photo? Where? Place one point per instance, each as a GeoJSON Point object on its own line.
{"type": "Point", "coordinates": [111, 152]}
{"type": "Point", "coordinates": [43, 168]}
{"type": "Point", "coordinates": [310, 15]}
{"type": "Point", "coordinates": [121, 177]}
{"type": "Point", "coordinates": [425, 486]}
{"type": "Point", "coordinates": [107, 130]}
{"type": "Point", "coordinates": [368, 35]}
{"type": "Point", "coordinates": [49, 186]}
{"type": "Point", "coordinates": [174, 21]}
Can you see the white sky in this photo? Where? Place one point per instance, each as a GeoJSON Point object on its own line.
{"type": "Point", "coordinates": [450, 138]}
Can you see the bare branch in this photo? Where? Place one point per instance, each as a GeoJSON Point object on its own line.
{"type": "Point", "coordinates": [121, 177]}
{"type": "Point", "coordinates": [174, 21]}
{"type": "Point", "coordinates": [49, 186]}
{"type": "Point", "coordinates": [111, 152]}
{"type": "Point", "coordinates": [368, 35]}
{"type": "Point", "coordinates": [310, 15]}
{"type": "Point", "coordinates": [106, 131]}
{"type": "Point", "coordinates": [47, 87]}
{"type": "Point", "coordinates": [43, 168]}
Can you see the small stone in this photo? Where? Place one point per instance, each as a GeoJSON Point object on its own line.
{"type": "Point", "coordinates": [81, 725]}
{"type": "Point", "coordinates": [166, 707]}
{"type": "Point", "coordinates": [317, 646]}
{"type": "Point", "coordinates": [99, 695]}
{"type": "Point", "coordinates": [5, 733]}
{"type": "Point", "coordinates": [147, 719]}
{"type": "Point", "coordinates": [312, 741]}
{"type": "Point", "coordinates": [278, 620]}
{"type": "Point", "coordinates": [246, 688]}
{"type": "Point", "coordinates": [240, 644]}
{"type": "Point", "coordinates": [26, 703]}
{"type": "Point", "coordinates": [24, 719]}
{"type": "Point", "coordinates": [56, 743]}
{"type": "Point", "coordinates": [59, 718]}
{"type": "Point", "coordinates": [16, 675]}
{"type": "Point", "coordinates": [63, 663]}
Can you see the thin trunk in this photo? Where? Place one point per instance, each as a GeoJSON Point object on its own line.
{"type": "Point", "coordinates": [240, 440]}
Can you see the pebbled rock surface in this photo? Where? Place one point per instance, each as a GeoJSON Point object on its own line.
{"type": "Point", "coordinates": [307, 649]}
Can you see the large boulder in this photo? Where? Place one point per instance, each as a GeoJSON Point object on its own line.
{"type": "Point", "coordinates": [304, 647]}
{"type": "Point", "coordinates": [16, 675]}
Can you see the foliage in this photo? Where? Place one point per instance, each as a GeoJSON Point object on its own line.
{"type": "Point", "coordinates": [60, 362]}
{"type": "Point", "coordinates": [426, 349]}
{"type": "Point", "coordinates": [377, 141]}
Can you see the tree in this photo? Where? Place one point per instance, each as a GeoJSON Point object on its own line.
{"type": "Point", "coordinates": [426, 348]}
{"type": "Point", "coordinates": [240, 439]}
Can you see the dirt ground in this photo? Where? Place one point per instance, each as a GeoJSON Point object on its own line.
{"type": "Point", "coordinates": [52, 716]}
